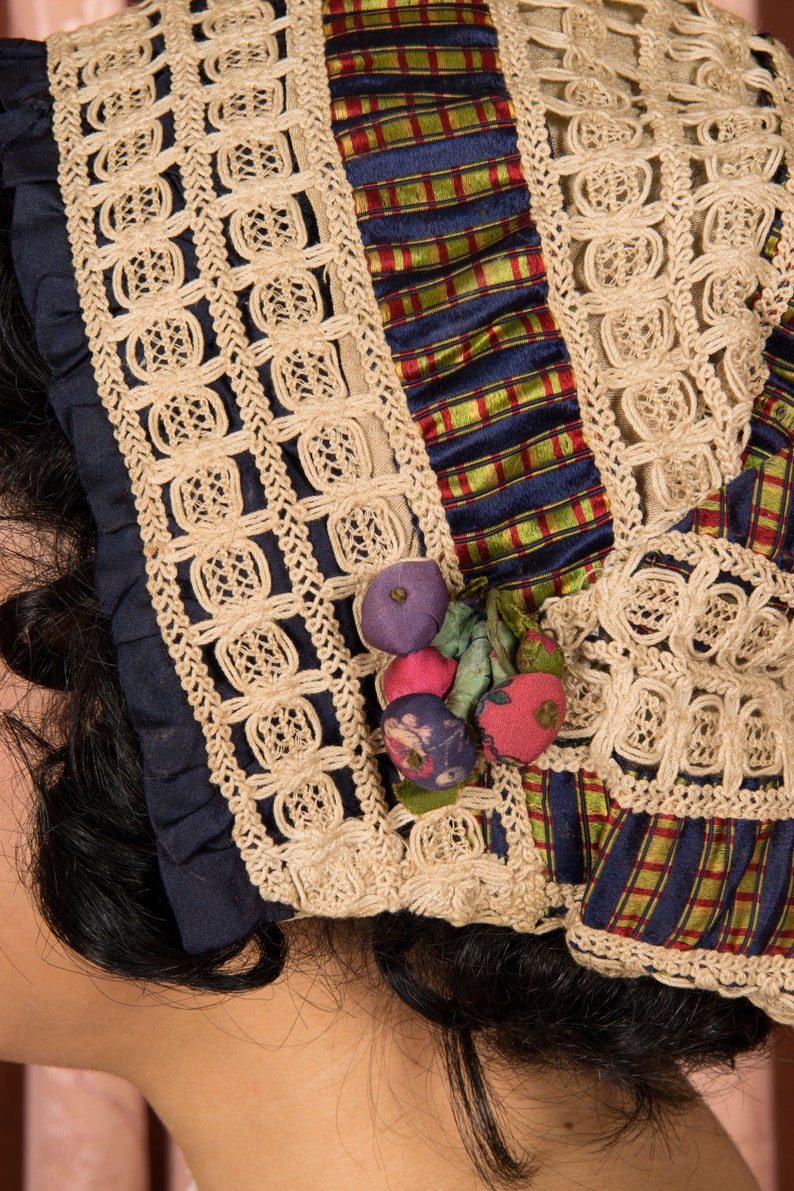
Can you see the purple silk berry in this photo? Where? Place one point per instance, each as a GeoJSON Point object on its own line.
{"type": "Point", "coordinates": [404, 607]}
{"type": "Point", "coordinates": [428, 744]}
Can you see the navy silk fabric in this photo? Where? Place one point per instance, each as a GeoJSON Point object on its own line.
{"type": "Point", "coordinates": [445, 339]}
{"type": "Point", "coordinates": [204, 876]}
{"type": "Point", "coordinates": [203, 872]}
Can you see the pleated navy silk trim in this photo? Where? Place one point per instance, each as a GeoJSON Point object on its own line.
{"type": "Point", "coordinates": [199, 862]}
{"type": "Point", "coordinates": [427, 133]}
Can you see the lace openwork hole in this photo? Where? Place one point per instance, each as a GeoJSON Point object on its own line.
{"type": "Point", "coordinates": [287, 733]}
{"type": "Point", "coordinates": [220, 64]}
{"type": "Point", "coordinates": [613, 188]}
{"type": "Point", "coordinates": [681, 480]}
{"type": "Point", "coordinates": [653, 605]}
{"type": "Point", "coordinates": [334, 454]}
{"type": "Point", "coordinates": [736, 223]}
{"type": "Point", "coordinates": [261, 655]}
{"type": "Point", "coordinates": [617, 262]}
{"type": "Point", "coordinates": [451, 836]}
{"type": "Point", "coordinates": [597, 132]}
{"type": "Point", "coordinates": [661, 405]}
{"type": "Point", "coordinates": [209, 496]}
{"type": "Point", "coordinates": [137, 205]}
{"type": "Point", "coordinates": [757, 643]}
{"type": "Point", "coordinates": [129, 57]}
{"type": "Point", "coordinates": [644, 736]}
{"type": "Point", "coordinates": [761, 738]}
{"type": "Point", "coordinates": [134, 147]}
{"type": "Point", "coordinates": [585, 25]}
{"type": "Point", "coordinates": [367, 536]}
{"type": "Point", "coordinates": [307, 374]}
{"type": "Point", "coordinates": [313, 807]}
{"type": "Point", "coordinates": [185, 419]}
{"type": "Point", "coordinates": [169, 343]}
{"type": "Point", "coordinates": [133, 95]}
{"type": "Point", "coordinates": [153, 269]}
{"type": "Point", "coordinates": [597, 93]}
{"type": "Point", "coordinates": [268, 226]}
{"type": "Point", "coordinates": [257, 159]}
{"type": "Point", "coordinates": [584, 696]}
{"type": "Point", "coordinates": [233, 574]}
{"type": "Point", "coordinates": [632, 336]}
{"type": "Point", "coordinates": [246, 104]}
{"type": "Point", "coordinates": [230, 21]}
{"type": "Point", "coordinates": [704, 755]}
{"type": "Point", "coordinates": [716, 623]}
{"type": "Point", "coordinates": [280, 303]}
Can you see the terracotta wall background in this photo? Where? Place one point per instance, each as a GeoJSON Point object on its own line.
{"type": "Point", "coordinates": [66, 1130]}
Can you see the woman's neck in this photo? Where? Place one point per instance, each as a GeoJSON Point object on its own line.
{"type": "Point", "coordinates": [330, 1082]}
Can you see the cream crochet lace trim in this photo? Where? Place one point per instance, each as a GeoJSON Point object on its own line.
{"type": "Point", "coordinates": [654, 201]}
{"type": "Point", "coordinates": [241, 107]}
{"type": "Point", "coordinates": [686, 676]}
{"type": "Point", "coordinates": [767, 981]}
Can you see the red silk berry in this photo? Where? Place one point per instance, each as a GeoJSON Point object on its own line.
{"type": "Point", "coordinates": [520, 718]}
{"type": "Point", "coordinates": [538, 653]}
{"type": "Point", "coordinates": [426, 671]}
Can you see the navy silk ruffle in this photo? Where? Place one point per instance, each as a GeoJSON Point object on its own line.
{"type": "Point", "coordinates": [203, 873]}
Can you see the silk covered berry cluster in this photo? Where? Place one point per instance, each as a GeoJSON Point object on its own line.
{"type": "Point", "coordinates": [473, 678]}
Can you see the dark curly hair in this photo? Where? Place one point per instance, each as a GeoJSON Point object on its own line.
{"type": "Point", "coordinates": [489, 990]}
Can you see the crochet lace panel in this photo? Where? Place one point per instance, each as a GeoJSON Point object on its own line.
{"type": "Point", "coordinates": [247, 99]}
{"type": "Point", "coordinates": [676, 670]}
{"type": "Point", "coordinates": [655, 196]}
{"type": "Point", "coordinates": [252, 151]}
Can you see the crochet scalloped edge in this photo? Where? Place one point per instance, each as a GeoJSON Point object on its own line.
{"type": "Point", "coordinates": [767, 981]}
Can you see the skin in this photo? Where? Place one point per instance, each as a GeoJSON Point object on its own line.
{"type": "Point", "coordinates": [324, 1079]}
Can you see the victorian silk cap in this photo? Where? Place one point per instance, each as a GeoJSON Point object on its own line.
{"type": "Point", "coordinates": [500, 295]}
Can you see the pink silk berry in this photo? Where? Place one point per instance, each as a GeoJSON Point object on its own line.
{"type": "Point", "coordinates": [427, 671]}
{"type": "Point", "coordinates": [520, 718]}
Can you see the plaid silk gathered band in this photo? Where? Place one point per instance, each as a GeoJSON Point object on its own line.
{"type": "Point", "coordinates": [508, 286]}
